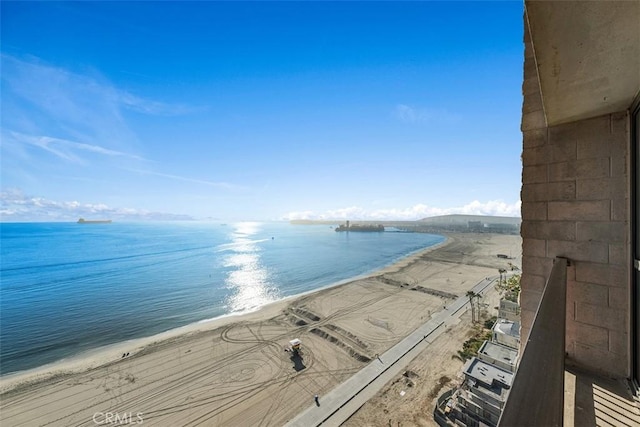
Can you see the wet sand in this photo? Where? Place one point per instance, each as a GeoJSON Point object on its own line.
{"type": "Point", "coordinates": [234, 371]}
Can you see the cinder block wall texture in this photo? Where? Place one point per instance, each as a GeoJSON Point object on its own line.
{"type": "Point", "coordinates": [575, 204]}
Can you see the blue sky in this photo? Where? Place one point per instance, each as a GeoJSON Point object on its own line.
{"type": "Point", "coordinates": [260, 111]}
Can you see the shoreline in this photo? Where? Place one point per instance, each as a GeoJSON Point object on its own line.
{"type": "Point", "coordinates": [104, 355]}
{"type": "Point", "coordinates": [233, 371]}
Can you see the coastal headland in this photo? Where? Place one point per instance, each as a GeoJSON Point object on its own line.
{"type": "Point", "coordinates": [234, 371]}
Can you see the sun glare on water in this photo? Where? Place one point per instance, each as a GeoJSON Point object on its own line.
{"type": "Point", "coordinates": [248, 279]}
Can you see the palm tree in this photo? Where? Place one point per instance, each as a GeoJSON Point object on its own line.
{"type": "Point", "coordinates": [502, 271]}
{"type": "Point", "coordinates": [471, 295]}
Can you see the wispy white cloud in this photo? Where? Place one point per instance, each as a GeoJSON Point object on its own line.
{"type": "Point", "coordinates": [42, 99]}
{"type": "Point", "coordinates": [419, 211]}
{"type": "Point", "coordinates": [409, 114]}
{"type": "Point", "coordinates": [222, 185]}
{"type": "Point", "coordinates": [153, 107]}
{"type": "Point", "coordinates": [75, 117]}
{"type": "Point", "coordinates": [53, 101]}
{"type": "Point", "coordinates": [65, 149]}
{"type": "Point", "coordinates": [16, 206]}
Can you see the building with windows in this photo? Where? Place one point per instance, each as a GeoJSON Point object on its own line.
{"type": "Point", "coordinates": [507, 333]}
{"type": "Point", "coordinates": [483, 393]}
{"type": "Point", "coordinates": [580, 197]}
{"type": "Point", "coordinates": [481, 397]}
{"type": "Point", "coordinates": [509, 310]}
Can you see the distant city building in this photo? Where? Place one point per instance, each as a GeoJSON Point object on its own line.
{"type": "Point", "coordinates": [475, 225]}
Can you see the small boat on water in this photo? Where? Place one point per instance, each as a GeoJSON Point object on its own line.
{"type": "Point", "coordinates": [94, 221]}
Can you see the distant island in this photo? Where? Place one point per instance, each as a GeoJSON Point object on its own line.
{"type": "Point", "coordinates": [95, 221]}
{"type": "Point", "coordinates": [356, 227]}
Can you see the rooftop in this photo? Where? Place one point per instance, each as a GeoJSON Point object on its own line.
{"type": "Point", "coordinates": [494, 379]}
{"type": "Point", "coordinates": [507, 327]}
{"type": "Point", "coordinates": [499, 352]}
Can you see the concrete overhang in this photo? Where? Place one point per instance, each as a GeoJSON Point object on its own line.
{"type": "Point", "coordinates": [587, 56]}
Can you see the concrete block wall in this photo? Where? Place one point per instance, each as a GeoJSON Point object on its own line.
{"type": "Point", "coordinates": [575, 204]}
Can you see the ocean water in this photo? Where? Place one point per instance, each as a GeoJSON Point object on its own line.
{"type": "Point", "coordinates": [66, 288]}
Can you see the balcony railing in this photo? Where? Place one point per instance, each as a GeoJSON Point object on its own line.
{"type": "Point", "coordinates": [537, 394]}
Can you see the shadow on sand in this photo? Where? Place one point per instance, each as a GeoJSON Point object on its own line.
{"type": "Point", "coordinates": [298, 363]}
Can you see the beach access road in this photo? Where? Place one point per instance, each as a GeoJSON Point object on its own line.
{"type": "Point", "coordinates": [343, 401]}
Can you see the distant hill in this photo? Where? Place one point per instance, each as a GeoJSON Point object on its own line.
{"type": "Point", "coordinates": [472, 223]}
{"type": "Point", "coordinates": [465, 219]}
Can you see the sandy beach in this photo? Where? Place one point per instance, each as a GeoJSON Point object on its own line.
{"type": "Point", "coordinates": [234, 371]}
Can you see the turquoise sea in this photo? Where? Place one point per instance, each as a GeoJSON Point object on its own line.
{"type": "Point", "coordinates": [66, 288]}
